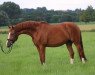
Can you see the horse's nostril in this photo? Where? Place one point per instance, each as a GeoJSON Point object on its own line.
{"type": "Point", "coordinates": [8, 44]}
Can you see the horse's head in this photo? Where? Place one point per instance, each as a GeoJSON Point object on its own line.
{"type": "Point", "coordinates": [12, 36]}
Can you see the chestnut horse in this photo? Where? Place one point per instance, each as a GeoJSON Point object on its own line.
{"type": "Point", "coordinates": [46, 35]}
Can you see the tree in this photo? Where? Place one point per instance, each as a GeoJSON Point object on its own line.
{"type": "Point", "coordinates": [87, 15]}
{"type": "Point", "coordinates": [42, 14]}
{"type": "Point", "coordinates": [66, 17]}
{"type": "Point", "coordinates": [55, 18]}
{"type": "Point", "coordinates": [12, 9]}
{"type": "Point", "coordinates": [93, 16]}
{"type": "Point", "coordinates": [4, 19]}
{"type": "Point", "coordinates": [90, 11]}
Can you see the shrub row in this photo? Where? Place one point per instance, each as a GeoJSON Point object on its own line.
{"type": "Point", "coordinates": [3, 32]}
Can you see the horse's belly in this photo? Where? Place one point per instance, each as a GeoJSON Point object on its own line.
{"type": "Point", "coordinates": [57, 37]}
{"type": "Point", "coordinates": [57, 41]}
{"type": "Point", "coordinates": [54, 44]}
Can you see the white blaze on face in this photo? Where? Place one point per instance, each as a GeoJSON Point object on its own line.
{"type": "Point", "coordinates": [6, 42]}
{"type": "Point", "coordinates": [8, 38]}
{"type": "Point", "coordinates": [9, 35]}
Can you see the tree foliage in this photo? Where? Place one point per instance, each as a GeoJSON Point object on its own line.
{"type": "Point", "coordinates": [42, 14]}
{"type": "Point", "coordinates": [13, 14]}
{"type": "Point", "coordinates": [12, 9]}
{"type": "Point", "coordinates": [4, 19]}
{"type": "Point", "coordinates": [88, 15]}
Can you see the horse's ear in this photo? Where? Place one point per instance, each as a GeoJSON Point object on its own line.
{"type": "Point", "coordinates": [11, 27]}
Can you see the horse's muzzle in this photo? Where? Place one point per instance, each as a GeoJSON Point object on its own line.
{"type": "Point", "coordinates": [9, 43]}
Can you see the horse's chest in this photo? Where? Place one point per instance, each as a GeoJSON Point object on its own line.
{"type": "Point", "coordinates": [39, 38]}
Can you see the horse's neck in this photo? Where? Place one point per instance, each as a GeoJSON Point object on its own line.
{"type": "Point", "coordinates": [26, 28]}
{"type": "Point", "coordinates": [30, 28]}
{"type": "Point", "coordinates": [28, 32]}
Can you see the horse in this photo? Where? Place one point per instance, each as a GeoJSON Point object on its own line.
{"type": "Point", "coordinates": [45, 35]}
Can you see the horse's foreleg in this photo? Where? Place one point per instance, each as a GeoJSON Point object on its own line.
{"type": "Point", "coordinates": [41, 50]}
{"type": "Point", "coordinates": [71, 52]}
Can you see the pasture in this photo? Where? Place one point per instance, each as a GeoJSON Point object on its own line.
{"type": "Point", "coordinates": [24, 58]}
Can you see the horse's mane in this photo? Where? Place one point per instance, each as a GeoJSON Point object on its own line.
{"type": "Point", "coordinates": [28, 24]}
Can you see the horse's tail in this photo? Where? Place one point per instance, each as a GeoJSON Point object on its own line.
{"type": "Point", "coordinates": [81, 43]}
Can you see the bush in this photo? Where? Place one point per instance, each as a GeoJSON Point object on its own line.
{"type": "Point", "coordinates": [3, 32]}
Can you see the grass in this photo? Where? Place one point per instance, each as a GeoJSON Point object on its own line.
{"type": "Point", "coordinates": [24, 58]}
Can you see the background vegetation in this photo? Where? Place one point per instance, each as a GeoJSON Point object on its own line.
{"type": "Point", "coordinates": [11, 13]}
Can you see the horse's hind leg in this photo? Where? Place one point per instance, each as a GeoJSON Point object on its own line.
{"type": "Point", "coordinates": [71, 52]}
{"type": "Point", "coordinates": [81, 52]}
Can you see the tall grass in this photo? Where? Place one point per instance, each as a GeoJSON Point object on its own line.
{"type": "Point", "coordinates": [24, 58]}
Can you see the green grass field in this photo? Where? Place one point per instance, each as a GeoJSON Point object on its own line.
{"type": "Point", "coordinates": [24, 58]}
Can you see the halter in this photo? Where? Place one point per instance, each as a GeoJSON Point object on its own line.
{"type": "Point", "coordinates": [10, 40]}
{"type": "Point", "coordinates": [10, 49]}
